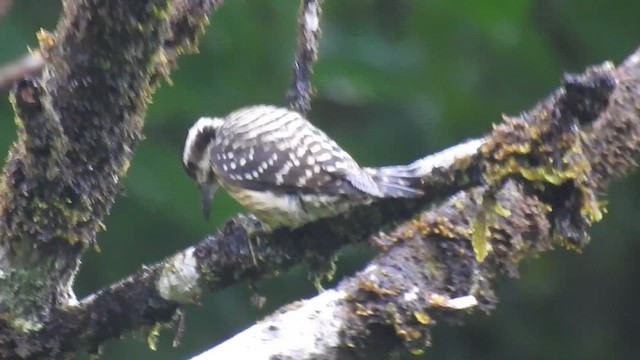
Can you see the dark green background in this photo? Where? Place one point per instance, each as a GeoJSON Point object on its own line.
{"type": "Point", "coordinates": [396, 80]}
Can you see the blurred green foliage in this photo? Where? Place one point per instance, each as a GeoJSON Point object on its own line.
{"type": "Point", "coordinates": [396, 80]}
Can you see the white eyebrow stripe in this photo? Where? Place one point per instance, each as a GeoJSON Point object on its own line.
{"type": "Point", "coordinates": [194, 133]}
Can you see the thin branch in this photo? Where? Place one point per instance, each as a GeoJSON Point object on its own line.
{"type": "Point", "coordinates": [301, 91]}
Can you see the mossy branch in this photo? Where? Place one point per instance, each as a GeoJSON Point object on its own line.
{"type": "Point", "coordinates": [526, 209]}
{"type": "Point", "coordinates": [527, 186]}
{"type": "Point", "coordinates": [541, 172]}
{"type": "Point", "coordinates": [79, 123]}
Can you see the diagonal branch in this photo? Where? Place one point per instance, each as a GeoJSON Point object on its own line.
{"type": "Point", "coordinates": [242, 252]}
{"type": "Point", "coordinates": [237, 253]}
{"type": "Point", "coordinates": [542, 171]}
{"type": "Point", "coordinates": [530, 181]}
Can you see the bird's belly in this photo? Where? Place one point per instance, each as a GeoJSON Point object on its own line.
{"type": "Point", "coordinates": [291, 210]}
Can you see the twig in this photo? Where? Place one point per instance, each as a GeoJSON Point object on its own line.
{"type": "Point", "coordinates": [301, 91]}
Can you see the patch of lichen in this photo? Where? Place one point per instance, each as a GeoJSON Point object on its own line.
{"type": "Point", "coordinates": [29, 284]}
{"type": "Point", "coordinates": [375, 302]}
{"type": "Point", "coordinates": [41, 168]}
{"type": "Point", "coordinates": [547, 153]}
{"type": "Point", "coordinates": [46, 39]}
{"type": "Point", "coordinates": [492, 221]}
{"type": "Point", "coordinates": [524, 232]}
{"type": "Point", "coordinates": [485, 224]}
{"type": "Point", "coordinates": [440, 226]}
{"type": "Point", "coordinates": [163, 12]}
{"type": "Point", "coordinates": [394, 292]}
{"type": "Point", "coordinates": [480, 240]}
{"type": "Point", "coordinates": [433, 257]}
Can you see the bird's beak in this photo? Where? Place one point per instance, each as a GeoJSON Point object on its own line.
{"type": "Point", "coordinates": [207, 189]}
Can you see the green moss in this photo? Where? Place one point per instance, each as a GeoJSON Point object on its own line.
{"type": "Point", "coordinates": [105, 65]}
{"type": "Point", "coordinates": [162, 13]}
{"type": "Point", "coordinates": [29, 285]}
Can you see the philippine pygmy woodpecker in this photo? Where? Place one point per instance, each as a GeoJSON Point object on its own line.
{"type": "Point", "coordinates": [277, 164]}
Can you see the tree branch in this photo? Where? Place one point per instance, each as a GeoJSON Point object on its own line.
{"type": "Point", "coordinates": [239, 252]}
{"type": "Point", "coordinates": [242, 252]}
{"type": "Point", "coordinates": [530, 184]}
{"type": "Point", "coordinates": [541, 171]}
{"type": "Point", "coordinates": [101, 66]}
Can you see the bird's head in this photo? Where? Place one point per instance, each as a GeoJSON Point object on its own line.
{"type": "Point", "coordinates": [196, 158]}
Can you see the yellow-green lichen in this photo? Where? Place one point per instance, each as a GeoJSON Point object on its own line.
{"type": "Point", "coordinates": [373, 287]}
{"type": "Point", "coordinates": [72, 216]}
{"type": "Point", "coordinates": [25, 326]}
{"type": "Point", "coordinates": [363, 311]}
{"type": "Point", "coordinates": [422, 317]}
{"type": "Point", "coordinates": [46, 39]}
{"type": "Point", "coordinates": [441, 226]}
{"type": "Point", "coordinates": [152, 337]}
{"type": "Point", "coordinates": [480, 237]}
{"type": "Point", "coordinates": [162, 13]}
{"type": "Point", "coordinates": [515, 159]}
{"type": "Point", "coordinates": [500, 210]}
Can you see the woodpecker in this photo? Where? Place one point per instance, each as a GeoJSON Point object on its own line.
{"type": "Point", "coordinates": [278, 165]}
